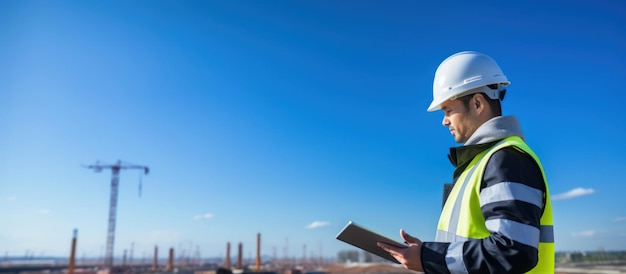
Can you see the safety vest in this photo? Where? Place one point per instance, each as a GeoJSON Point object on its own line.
{"type": "Point", "coordinates": [462, 218]}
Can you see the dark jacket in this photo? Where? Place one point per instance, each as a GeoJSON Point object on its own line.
{"type": "Point", "coordinates": [496, 253]}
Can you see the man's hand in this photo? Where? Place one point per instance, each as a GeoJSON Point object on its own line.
{"type": "Point", "coordinates": [410, 257]}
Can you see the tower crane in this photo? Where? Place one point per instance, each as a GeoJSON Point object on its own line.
{"type": "Point", "coordinates": [115, 172]}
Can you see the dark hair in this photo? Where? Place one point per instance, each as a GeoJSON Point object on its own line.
{"type": "Point", "coordinates": [494, 104]}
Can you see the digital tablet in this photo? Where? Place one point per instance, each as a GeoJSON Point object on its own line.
{"type": "Point", "coordinates": [366, 239]}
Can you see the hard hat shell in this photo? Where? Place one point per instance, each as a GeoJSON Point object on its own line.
{"type": "Point", "coordinates": [466, 73]}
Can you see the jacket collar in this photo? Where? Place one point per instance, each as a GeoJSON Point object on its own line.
{"type": "Point", "coordinates": [496, 128]}
{"type": "Point", "coordinates": [485, 136]}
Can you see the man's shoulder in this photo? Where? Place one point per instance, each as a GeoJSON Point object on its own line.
{"type": "Point", "coordinates": [511, 164]}
{"type": "Point", "coordinates": [511, 155]}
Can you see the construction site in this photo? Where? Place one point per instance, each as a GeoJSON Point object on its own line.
{"type": "Point", "coordinates": [347, 262]}
{"type": "Point", "coordinates": [239, 265]}
{"type": "Point", "coordinates": [109, 263]}
{"type": "Point", "coordinates": [173, 264]}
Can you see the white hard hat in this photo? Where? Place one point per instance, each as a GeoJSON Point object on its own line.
{"type": "Point", "coordinates": [466, 73]}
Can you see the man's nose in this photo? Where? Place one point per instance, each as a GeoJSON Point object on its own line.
{"type": "Point", "coordinates": [445, 122]}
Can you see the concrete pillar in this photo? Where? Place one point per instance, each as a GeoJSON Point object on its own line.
{"type": "Point", "coordinates": [155, 263]}
{"type": "Point", "coordinates": [258, 252]}
{"type": "Point", "coordinates": [70, 268]}
{"type": "Point", "coordinates": [170, 261]}
{"type": "Point", "coordinates": [227, 262]}
{"type": "Point", "coordinates": [239, 256]}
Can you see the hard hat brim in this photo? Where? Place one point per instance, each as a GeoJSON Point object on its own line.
{"type": "Point", "coordinates": [434, 106]}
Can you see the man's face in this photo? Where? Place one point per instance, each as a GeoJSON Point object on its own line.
{"type": "Point", "coordinates": [462, 121]}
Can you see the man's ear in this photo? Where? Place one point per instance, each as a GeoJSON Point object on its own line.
{"type": "Point", "coordinates": [475, 102]}
{"type": "Point", "coordinates": [478, 103]}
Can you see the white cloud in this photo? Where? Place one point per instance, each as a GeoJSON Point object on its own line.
{"type": "Point", "coordinates": [44, 211]}
{"type": "Point", "coordinates": [203, 216]}
{"type": "Point", "coordinates": [619, 219]}
{"type": "Point", "coordinates": [11, 198]}
{"type": "Point", "coordinates": [576, 192]}
{"type": "Point", "coordinates": [586, 233]}
{"type": "Point", "coordinates": [317, 224]}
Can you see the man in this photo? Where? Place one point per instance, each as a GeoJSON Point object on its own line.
{"type": "Point", "coordinates": [498, 216]}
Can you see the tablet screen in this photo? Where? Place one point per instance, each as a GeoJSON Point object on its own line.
{"type": "Point", "coordinates": [366, 239]}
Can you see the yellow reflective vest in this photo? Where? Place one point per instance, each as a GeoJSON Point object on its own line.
{"type": "Point", "coordinates": [462, 218]}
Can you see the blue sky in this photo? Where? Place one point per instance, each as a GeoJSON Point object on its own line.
{"type": "Point", "coordinates": [289, 119]}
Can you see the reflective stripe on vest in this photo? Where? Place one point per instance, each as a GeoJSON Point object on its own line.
{"type": "Point", "coordinates": [462, 219]}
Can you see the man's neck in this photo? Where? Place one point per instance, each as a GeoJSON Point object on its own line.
{"type": "Point", "coordinates": [494, 129]}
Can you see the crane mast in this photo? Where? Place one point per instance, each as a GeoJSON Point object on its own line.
{"type": "Point", "coordinates": [115, 178]}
